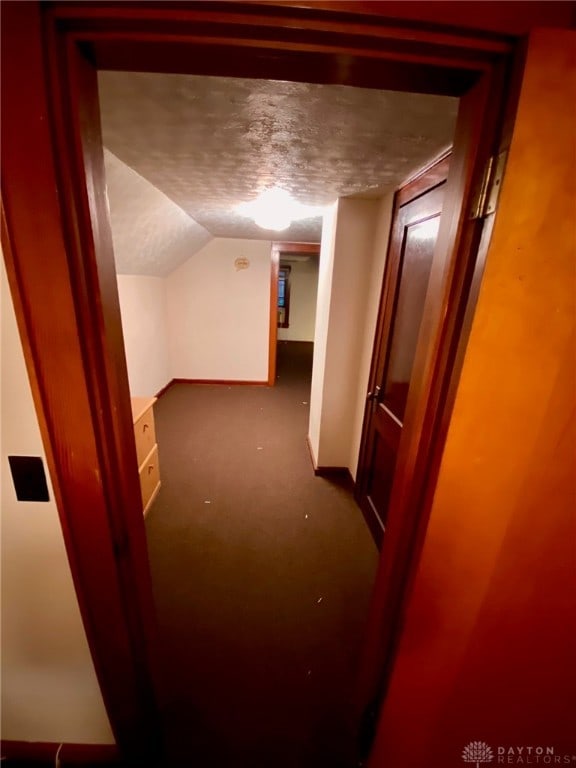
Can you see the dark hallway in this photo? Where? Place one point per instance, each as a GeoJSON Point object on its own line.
{"type": "Point", "coordinates": [262, 575]}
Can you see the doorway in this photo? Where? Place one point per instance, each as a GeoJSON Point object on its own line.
{"type": "Point", "coordinates": [231, 458]}
{"type": "Point", "coordinates": [95, 426]}
{"type": "Point", "coordinates": [293, 305]}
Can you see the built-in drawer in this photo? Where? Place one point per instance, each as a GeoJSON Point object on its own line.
{"type": "Point", "coordinates": [149, 477]}
{"type": "Point", "coordinates": [145, 435]}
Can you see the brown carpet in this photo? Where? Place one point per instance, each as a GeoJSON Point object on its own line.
{"type": "Point", "coordinates": [262, 575]}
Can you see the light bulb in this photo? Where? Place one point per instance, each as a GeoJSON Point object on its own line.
{"type": "Point", "coordinates": [275, 209]}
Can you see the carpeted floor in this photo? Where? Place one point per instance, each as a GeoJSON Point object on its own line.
{"type": "Point", "coordinates": [262, 575]}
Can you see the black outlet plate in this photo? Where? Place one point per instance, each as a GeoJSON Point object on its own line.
{"type": "Point", "coordinates": [29, 478]}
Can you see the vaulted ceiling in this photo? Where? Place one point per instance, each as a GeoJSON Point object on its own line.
{"type": "Point", "coordinates": [209, 143]}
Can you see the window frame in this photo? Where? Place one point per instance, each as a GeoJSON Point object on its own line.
{"type": "Point", "coordinates": [286, 269]}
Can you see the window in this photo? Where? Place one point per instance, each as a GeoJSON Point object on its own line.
{"type": "Point", "coordinates": [283, 296]}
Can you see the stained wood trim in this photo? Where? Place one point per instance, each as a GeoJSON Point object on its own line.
{"type": "Point", "coordinates": [221, 382]}
{"type": "Point", "coordinates": [286, 269]}
{"type": "Point", "coordinates": [285, 249]}
{"type": "Point", "coordinates": [164, 389]}
{"type": "Point", "coordinates": [298, 64]}
{"type": "Point", "coordinates": [505, 20]}
{"type": "Point", "coordinates": [295, 17]}
{"type": "Point", "coordinates": [371, 518]}
{"type": "Point", "coordinates": [273, 325]}
{"type": "Point", "coordinates": [472, 278]}
{"type": "Point", "coordinates": [279, 43]}
{"type": "Point", "coordinates": [69, 755]}
{"type": "Point", "coordinates": [61, 271]}
{"type": "Point", "coordinates": [278, 248]}
{"type": "Point", "coordinates": [66, 306]}
{"type": "Point", "coordinates": [341, 475]}
{"type": "Point", "coordinates": [427, 178]}
{"type": "Point", "coordinates": [436, 369]}
{"type": "Point", "coordinates": [296, 248]}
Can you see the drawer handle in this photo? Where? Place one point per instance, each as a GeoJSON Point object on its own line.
{"type": "Point", "coordinates": [145, 427]}
{"type": "Point", "coordinates": [150, 468]}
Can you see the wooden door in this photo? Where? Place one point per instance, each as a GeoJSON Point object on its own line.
{"type": "Point", "coordinates": [410, 258]}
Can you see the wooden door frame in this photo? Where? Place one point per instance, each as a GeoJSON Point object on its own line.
{"type": "Point", "coordinates": [278, 248]}
{"type": "Point", "coordinates": [58, 249]}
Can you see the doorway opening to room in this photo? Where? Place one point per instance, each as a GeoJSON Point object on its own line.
{"type": "Point", "coordinates": [107, 435]}
{"type": "Point", "coordinates": [212, 309]}
{"type": "Point", "coordinates": [293, 304]}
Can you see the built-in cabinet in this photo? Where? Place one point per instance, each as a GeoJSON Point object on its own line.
{"type": "Point", "coordinates": [146, 449]}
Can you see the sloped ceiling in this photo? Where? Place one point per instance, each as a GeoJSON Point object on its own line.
{"type": "Point", "coordinates": [151, 234]}
{"type": "Point", "coordinates": [210, 143]}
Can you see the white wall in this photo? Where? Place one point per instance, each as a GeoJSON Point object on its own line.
{"type": "Point", "coordinates": [49, 687]}
{"type": "Point", "coordinates": [218, 316]}
{"type": "Point", "coordinates": [351, 265]}
{"type": "Point", "coordinates": [303, 292]}
{"type": "Point", "coordinates": [209, 321]}
{"type": "Point", "coordinates": [325, 271]}
{"type": "Point", "coordinates": [372, 298]}
{"type": "Point", "coordinates": [144, 325]}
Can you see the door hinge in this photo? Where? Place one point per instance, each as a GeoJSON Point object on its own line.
{"type": "Point", "coordinates": [373, 396]}
{"type": "Point", "coordinates": [485, 200]}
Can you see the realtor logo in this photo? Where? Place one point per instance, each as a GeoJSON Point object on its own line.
{"type": "Point", "coordinates": [477, 752]}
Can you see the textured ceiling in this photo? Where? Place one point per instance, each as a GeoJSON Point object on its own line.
{"type": "Point", "coordinates": [210, 143]}
{"type": "Point", "coordinates": [151, 234]}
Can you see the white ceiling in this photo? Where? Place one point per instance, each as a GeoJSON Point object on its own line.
{"type": "Point", "coordinates": [151, 234]}
{"type": "Point", "coordinates": [210, 143]}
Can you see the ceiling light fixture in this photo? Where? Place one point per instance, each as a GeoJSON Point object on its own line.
{"type": "Point", "coordinates": [275, 209]}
